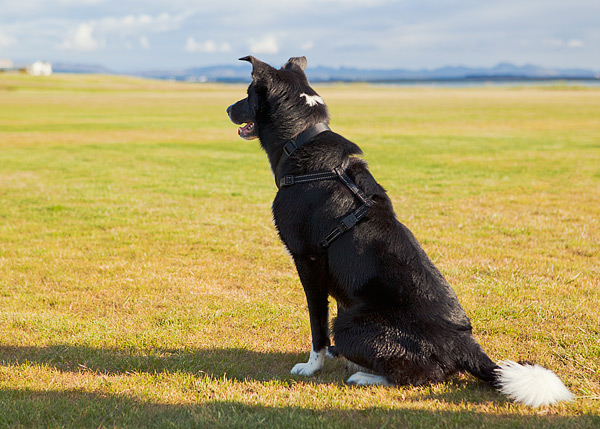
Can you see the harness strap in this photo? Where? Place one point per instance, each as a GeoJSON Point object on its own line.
{"type": "Point", "coordinates": [292, 145]}
{"type": "Point", "coordinates": [345, 224]}
{"type": "Point", "coordinates": [291, 179]}
{"type": "Point", "coordinates": [348, 221]}
{"type": "Point", "coordinates": [352, 186]}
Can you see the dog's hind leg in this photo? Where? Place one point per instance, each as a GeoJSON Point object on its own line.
{"type": "Point", "coordinates": [355, 336]}
{"type": "Point", "coordinates": [382, 344]}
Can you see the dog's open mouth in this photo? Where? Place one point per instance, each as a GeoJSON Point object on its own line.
{"type": "Point", "coordinates": [248, 131]}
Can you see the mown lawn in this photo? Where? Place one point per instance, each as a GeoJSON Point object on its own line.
{"type": "Point", "coordinates": [142, 282]}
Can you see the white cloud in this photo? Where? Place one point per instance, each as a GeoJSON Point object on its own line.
{"type": "Point", "coordinates": [306, 46]}
{"type": "Point", "coordinates": [82, 39]}
{"type": "Point", "coordinates": [7, 41]}
{"type": "Point", "coordinates": [560, 43]}
{"type": "Point", "coordinates": [126, 31]}
{"type": "Point", "coordinates": [207, 47]}
{"type": "Point", "coordinates": [144, 43]}
{"type": "Point", "coordinates": [80, 2]}
{"type": "Point", "coordinates": [131, 24]}
{"type": "Point", "coordinates": [574, 43]}
{"type": "Point", "coordinates": [266, 45]}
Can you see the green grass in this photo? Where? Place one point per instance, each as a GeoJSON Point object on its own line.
{"type": "Point", "coordinates": [142, 282]}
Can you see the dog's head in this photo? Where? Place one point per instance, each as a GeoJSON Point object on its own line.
{"type": "Point", "coordinates": [280, 103]}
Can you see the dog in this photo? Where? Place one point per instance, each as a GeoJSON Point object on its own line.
{"type": "Point", "coordinates": [398, 318]}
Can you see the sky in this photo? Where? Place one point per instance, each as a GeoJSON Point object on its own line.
{"type": "Point", "coordinates": [139, 35]}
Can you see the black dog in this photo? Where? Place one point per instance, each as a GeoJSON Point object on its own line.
{"type": "Point", "coordinates": [397, 315]}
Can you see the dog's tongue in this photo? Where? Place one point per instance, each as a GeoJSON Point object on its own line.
{"type": "Point", "coordinates": [246, 132]}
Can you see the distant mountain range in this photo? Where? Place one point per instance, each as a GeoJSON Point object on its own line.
{"type": "Point", "coordinates": [240, 73]}
{"type": "Point", "coordinates": [80, 68]}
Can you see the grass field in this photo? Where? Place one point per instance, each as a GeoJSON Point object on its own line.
{"type": "Point", "coordinates": [142, 282]}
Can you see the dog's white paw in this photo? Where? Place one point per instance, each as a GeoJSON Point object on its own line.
{"type": "Point", "coordinates": [314, 364]}
{"type": "Point", "coordinates": [307, 369]}
{"type": "Point", "coordinates": [365, 379]}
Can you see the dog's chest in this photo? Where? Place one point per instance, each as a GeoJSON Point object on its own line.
{"type": "Point", "coordinates": [291, 219]}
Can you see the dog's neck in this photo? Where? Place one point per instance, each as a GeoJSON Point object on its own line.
{"type": "Point", "coordinates": [274, 141]}
{"type": "Point", "coordinates": [295, 143]}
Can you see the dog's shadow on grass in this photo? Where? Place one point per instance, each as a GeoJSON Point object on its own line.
{"type": "Point", "coordinates": [33, 407]}
{"type": "Point", "coordinates": [234, 363]}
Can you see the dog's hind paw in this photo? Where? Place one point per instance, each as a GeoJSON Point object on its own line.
{"type": "Point", "coordinates": [314, 364]}
{"type": "Point", "coordinates": [365, 379]}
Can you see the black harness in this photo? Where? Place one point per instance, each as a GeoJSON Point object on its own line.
{"type": "Point", "coordinates": [292, 145]}
{"type": "Point", "coordinates": [337, 173]}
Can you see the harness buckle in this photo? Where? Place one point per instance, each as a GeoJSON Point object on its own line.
{"type": "Point", "coordinates": [348, 222]}
{"type": "Point", "coordinates": [290, 147]}
{"type": "Point", "coordinates": [286, 180]}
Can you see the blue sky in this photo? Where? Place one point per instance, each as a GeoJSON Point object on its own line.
{"type": "Point", "coordinates": [130, 35]}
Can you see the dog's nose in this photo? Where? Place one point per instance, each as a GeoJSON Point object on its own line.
{"type": "Point", "coordinates": [229, 110]}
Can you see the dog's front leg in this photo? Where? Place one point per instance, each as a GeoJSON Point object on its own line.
{"type": "Point", "coordinates": [313, 275]}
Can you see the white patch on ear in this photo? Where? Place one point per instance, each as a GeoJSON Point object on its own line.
{"type": "Point", "coordinates": [312, 100]}
{"type": "Point", "coordinates": [314, 364]}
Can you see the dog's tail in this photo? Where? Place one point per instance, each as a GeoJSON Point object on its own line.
{"type": "Point", "coordinates": [529, 384]}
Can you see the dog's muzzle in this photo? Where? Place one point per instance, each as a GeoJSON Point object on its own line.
{"type": "Point", "coordinates": [237, 111]}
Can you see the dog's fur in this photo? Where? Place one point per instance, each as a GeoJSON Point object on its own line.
{"type": "Point", "coordinates": [397, 315]}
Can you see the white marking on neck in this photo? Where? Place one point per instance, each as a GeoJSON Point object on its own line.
{"type": "Point", "coordinates": [312, 100]}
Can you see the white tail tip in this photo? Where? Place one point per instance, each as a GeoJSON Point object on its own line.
{"type": "Point", "coordinates": [532, 385]}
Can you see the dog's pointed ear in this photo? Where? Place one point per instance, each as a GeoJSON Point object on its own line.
{"type": "Point", "coordinates": [296, 62]}
{"type": "Point", "coordinates": [259, 69]}
{"type": "Point", "coordinates": [249, 58]}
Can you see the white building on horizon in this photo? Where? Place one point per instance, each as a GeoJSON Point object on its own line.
{"type": "Point", "coordinates": [40, 68]}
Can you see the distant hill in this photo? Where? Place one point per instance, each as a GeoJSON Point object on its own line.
{"type": "Point", "coordinates": [240, 73]}
{"type": "Point", "coordinates": [80, 68]}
